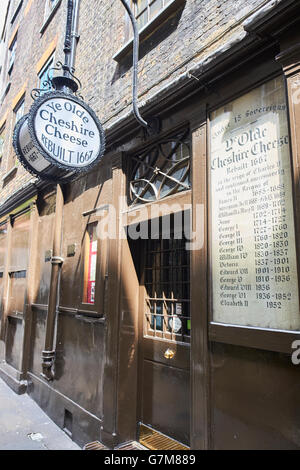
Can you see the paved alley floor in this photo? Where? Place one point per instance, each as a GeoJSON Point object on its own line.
{"type": "Point", "coordinates": [24, 426]}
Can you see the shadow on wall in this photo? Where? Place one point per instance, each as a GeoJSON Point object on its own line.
{"type": "Point", "coordinates": [152, 42]}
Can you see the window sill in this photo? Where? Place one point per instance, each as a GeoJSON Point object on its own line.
{"type": "Point", "coordinates": [16, 314]}
{"type": "Point", "coordinates": [149, 28]}
{"type": "Point", "coordinates": [50, 16]}
{"type": "Point", "coordinates": [10, 173]}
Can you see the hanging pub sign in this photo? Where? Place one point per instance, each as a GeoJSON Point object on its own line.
{"type": "Point", "coordinates": [59, 138]}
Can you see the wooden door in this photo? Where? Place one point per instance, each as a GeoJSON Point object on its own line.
{"type": "Point", "coordinates": [164, 340]}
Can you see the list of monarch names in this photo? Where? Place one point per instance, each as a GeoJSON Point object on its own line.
{"type": "Point", "coordinates": [253, 255]}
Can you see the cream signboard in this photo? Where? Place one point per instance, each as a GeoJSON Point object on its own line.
{"type": "Point", "coordinates": [253, 255]}
{"type": "Point", "coordinates": [61, 136]}
{"type": "Point", "coordinates": [67, 132]}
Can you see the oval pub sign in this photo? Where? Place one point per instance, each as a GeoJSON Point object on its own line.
{"type": "Point", "coordinates": [60, 132]}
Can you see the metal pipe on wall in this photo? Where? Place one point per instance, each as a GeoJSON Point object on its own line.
{"type": "Point", "coordinates": [48, 354]}
{"type": "Point", "coordinates": [71, 38]}
{"type": "Point", "coordinates": [67, 43]}
{"type": "Point", "coordinates": [74, 34]}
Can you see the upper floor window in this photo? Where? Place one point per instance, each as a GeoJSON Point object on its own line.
{"type": "Point", "coordinates": [12, 50]}
{"type": "Point", "coordinates": [50, 5]}
{"type": "Point", "coordinates": [50, 8]}
{"type": "Point", "coordinates": [19, 110]}
{"type": "Point", "coordinates": [2, 140]}
{"type": "Point", "coordinates": [150, 15]}
{"type": "Point", "coordinates": [90, 264]}
{"type": "Point", "coordinates": [13, 161]}
{"type": "Point", "coordinates": [16, 11]}
{"type": "Point", "coordinates": [46, 74]}
{"type": "Point", "coordinates": [145, 10]}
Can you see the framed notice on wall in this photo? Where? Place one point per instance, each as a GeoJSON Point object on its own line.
{"type": "Point", "coordinates": [253, 254]}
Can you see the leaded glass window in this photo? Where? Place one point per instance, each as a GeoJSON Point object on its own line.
{"type": "Point", "coordinates": [161, 170]}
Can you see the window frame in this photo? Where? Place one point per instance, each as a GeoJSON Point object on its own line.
{"type": "Point", "coordinates": [182, 139]}
{"type": "Point", "coordinates": [45, 70]}
{"type": "Point", "coordinates": [163, 15]}
{"type": "Point", "coordinates": [13, 161]}
{"type": "Point", "coordinates": [12, 57]}
{"type": "Point", "coordinates": [16, 11]}
{"type": "Point", "coordinates": [19, 105]}
{"type": "Point", "coordinates": [147, 9]}
{"type": "Point", "coordinates": [153, 279]}
{"type": "Point", "coordinates": [49, 13]}
{"type": "Point", "coordinates": [2, 138]}
{"type": "Point", "coordinates": [97, 308]}
{"type": "Point", "coordinates": [89, 253]}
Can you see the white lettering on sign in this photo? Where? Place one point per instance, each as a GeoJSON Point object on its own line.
{"type": "Point", "coordinates": [30, 153]}
{"type": "Point", "coordinates": [67, 132]}
{"type": "Point", "coordinates": [253, 254]}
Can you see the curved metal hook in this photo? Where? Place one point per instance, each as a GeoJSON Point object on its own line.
{"type": "Point", "coordinates": [135, 66]}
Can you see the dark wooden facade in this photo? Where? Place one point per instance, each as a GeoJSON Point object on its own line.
{"type": "Point", "coordinates": [229, 387]}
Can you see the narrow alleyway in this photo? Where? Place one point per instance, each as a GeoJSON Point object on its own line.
{"type": "Point", "coordinates": [24, 426]}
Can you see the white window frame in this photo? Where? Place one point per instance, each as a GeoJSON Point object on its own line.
{"type": "Point", "coordinates": [147, 8]}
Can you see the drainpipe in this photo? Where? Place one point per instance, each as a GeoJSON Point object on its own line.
{"type": "Point", "coordinates": [48, 354]}
{"type": "Point", "coordinates": [66, 83]}
{"type": "Point", "coordinates": [74, 34]}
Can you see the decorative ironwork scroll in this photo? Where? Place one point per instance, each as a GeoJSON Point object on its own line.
{"type": "Point", "coordinates": [54, 83]}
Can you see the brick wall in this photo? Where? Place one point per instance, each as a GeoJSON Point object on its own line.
{"type": "Point", "coordinates": [31, 46]}
{"type": "Point", "coordinates": [195, 30]}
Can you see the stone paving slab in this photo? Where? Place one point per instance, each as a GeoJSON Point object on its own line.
{"type": "Point", "coordinates": [24, 426]}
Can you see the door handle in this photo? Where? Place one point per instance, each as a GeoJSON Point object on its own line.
{"type": "Point", "coordinates": [169, 353]}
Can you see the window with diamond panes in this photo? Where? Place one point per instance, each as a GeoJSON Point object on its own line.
{"type": "Point", "coordinates": [167, 289]}
{"type": "Point", "coordinates": [161, 170]}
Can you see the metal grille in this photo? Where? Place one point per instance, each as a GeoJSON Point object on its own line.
{"type": "Point", "coordinates": [95, 445]}
{"type": "Point", "coordinates": [155, 440]}
{"type": "Point", "coordinates": [161, 170]}
{"type": "Point", "coordinates": [167, 285]}
{"type": "Point", "coordinates": [132, 445]}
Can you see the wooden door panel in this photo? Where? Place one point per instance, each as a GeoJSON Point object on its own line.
{"type": "Point", "coordinates": [154, 350]}
{"type": "Point", "coordinates": [165, 400]}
